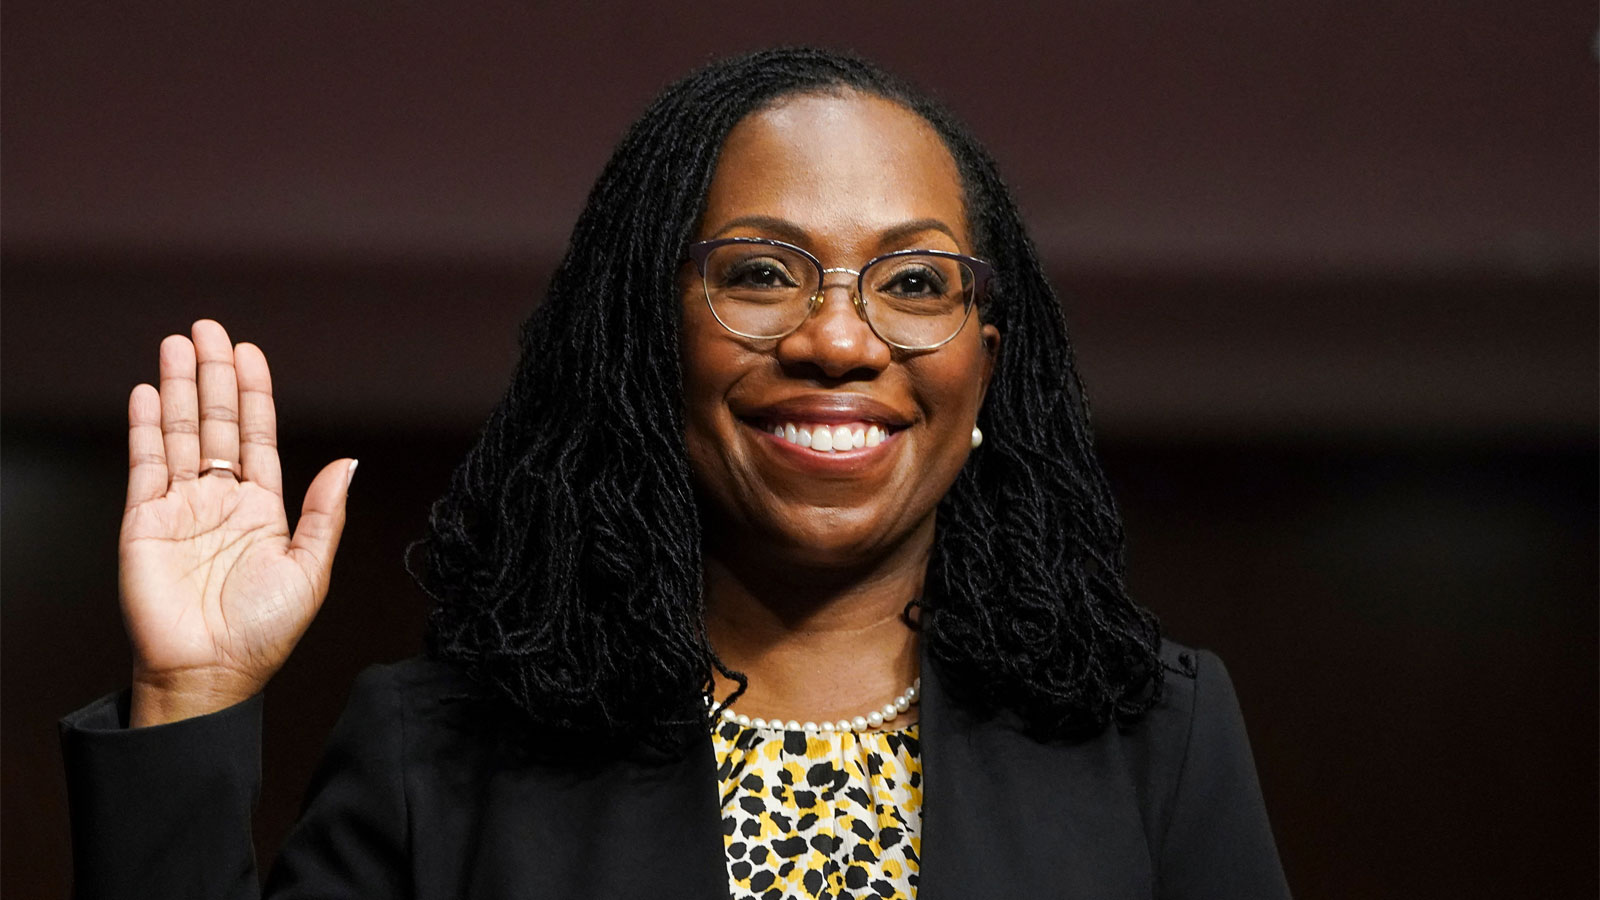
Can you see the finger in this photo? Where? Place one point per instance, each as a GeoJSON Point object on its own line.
{"type": "Point", "coordinates": [219, 392]}
{"type": "Point", "coordinates": [316, 536]}
{"type": "Point", "coordinates": [180, 408]}
{"type": "Point", "coordinates": [147, 457]}
{"type": "Point", "coordinates": [258, 419]}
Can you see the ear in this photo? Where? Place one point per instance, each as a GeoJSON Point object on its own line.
{"type": "Point", "coordinates": [990, 336]}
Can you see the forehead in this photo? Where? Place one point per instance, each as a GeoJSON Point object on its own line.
{"type": "Point", "coordinates": [839, 166]}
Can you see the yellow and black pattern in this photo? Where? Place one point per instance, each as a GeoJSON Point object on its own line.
{"type": "Point", "coordinates": [821, 815]}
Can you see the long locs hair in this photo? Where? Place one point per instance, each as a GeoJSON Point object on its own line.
{"type": "Point", "coordinates": [564, 561]}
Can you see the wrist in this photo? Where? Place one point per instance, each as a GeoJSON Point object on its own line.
{"type": "Point", "coordinates": [160, 699]}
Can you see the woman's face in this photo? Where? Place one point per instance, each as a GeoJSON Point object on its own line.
{"type": "Point", "coordinates": [848, 178]}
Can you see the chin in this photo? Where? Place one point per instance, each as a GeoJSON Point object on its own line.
{"type": "Point", "coordinates": [835, 539]}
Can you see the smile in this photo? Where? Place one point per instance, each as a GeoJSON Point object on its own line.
{"type": "Point", "coordinates": [823, 437]}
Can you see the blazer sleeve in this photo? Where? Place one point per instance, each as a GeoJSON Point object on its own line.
{"type": "Point", "coordinates": [165, 811]}
{"type": "Point", "coordinates": [1218, 842]}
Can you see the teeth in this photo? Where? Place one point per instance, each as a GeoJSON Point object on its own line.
{"type": "Point", "coordinates": [831, 438]}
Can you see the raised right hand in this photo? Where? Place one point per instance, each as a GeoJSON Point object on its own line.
{"type": "Point", "coordinates": [215, 591]}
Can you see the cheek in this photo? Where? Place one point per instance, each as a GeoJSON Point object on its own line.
{"type": "Point", "coordinates": [702, 370]}
{"type": "Point", "coordinates": [952, 387]}
{"type": "Point", "coordinates": [711, 366]}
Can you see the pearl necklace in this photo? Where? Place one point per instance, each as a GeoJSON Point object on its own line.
{"type": "Point", "coordinates": [874, 719]}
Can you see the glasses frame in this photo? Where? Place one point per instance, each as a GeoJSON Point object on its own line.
{"type": "Point", "coordinates": [981, 273]}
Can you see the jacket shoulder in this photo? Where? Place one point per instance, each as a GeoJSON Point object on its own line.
{"type": "Point", "coordinates": [418, 676]}
{"type": "Point", "coordinates": [1209, 806]}
{"type": "Point", "coordinates": [1157, 745]}
{"type": "Point", "coordinates": [1196, 691]}
{"type": "Point", "coordinates": [1165, 725]}
{"type": "Point", "coordinates": [1179, 659]}
{"type": "Point", "coordinates": [422, 692]}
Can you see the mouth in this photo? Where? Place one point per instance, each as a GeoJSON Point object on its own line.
{"type": "Point", "coordinates": [821, 425]}
{"type": "Point", "coordinates": [827, 438]}
{"type": "Point", "coordinates": [826, 429]}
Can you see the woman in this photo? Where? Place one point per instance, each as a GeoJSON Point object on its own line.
{"type": "Point", "coordinates": [795, 427]}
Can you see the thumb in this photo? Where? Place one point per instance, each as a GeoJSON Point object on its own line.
{"type": "Point", "coordinates": [316, 536]}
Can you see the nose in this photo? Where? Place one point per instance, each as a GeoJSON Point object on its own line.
{"type": "Point", "coordinates": [836, 338]}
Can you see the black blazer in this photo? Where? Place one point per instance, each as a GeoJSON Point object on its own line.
{"type": "Point", "coordinates": [417, 798]}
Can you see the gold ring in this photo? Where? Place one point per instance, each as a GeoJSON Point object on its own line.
{"type": "Point", "coordinates": [219, 465]}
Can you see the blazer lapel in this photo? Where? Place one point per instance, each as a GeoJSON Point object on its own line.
{"type": "Point", "coordinates": [1004, 815]}
{"type": "Point", "coordinates": [645, 825]}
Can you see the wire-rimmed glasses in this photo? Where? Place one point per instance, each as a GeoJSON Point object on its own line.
{"type": "Point", "coordinates": [764, 289]}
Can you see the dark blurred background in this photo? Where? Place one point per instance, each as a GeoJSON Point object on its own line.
{"type": "Point", "coordinates": [1330, 268]}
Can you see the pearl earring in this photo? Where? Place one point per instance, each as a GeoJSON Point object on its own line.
{"type": "Point", "coordinates": [977, 437]}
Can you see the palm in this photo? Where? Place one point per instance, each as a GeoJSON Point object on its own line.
{"type": "Point", "coordinates": [209, 579]}
{"type": "Point", "coordinates": [215, 589]}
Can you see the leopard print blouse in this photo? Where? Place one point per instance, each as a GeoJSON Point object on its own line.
{"type": "Point", "coordinates": [822, 816]}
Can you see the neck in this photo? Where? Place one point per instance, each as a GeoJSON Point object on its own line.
{"type": "Point", "coordinates": [817, 642]}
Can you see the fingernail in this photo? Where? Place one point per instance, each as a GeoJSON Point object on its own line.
{"type": "Point", "coordinates": [350, 473]}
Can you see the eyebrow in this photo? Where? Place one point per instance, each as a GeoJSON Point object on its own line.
{"type": "Point", "coordinates": [786, 230]}
{"type": "Point", "coordinates": [782, 228]}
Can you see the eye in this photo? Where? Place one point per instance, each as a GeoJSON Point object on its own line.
{"type": "Point", "coordinates": [758, 272]}
{"type": "Point", "coordinates": [914, 281]}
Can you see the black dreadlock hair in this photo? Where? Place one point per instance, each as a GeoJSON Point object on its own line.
{"type": "Point", "coordinates": [565, 561]}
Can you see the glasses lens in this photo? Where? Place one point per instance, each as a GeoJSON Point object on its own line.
{"type": "Point", "coordinates": [917, 300]}
{"type": "Point", "coordinates": [760, 290]}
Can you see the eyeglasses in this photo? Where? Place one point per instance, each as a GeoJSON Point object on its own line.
{"type": "Point", "coordinates": [911, 299]}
